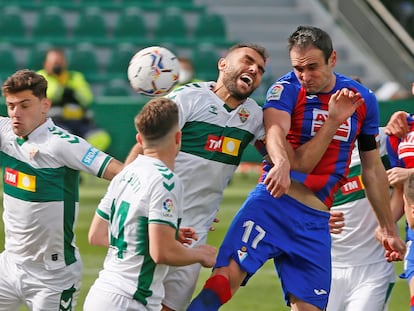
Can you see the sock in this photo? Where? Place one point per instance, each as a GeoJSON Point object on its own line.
{"type": "Point", "coordinates": [412, 303]}
{"type": "Point", "coordinates": [215, 293]}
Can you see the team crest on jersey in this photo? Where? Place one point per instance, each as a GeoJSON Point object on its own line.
{"type": "Point", "coordinates": [167, 207]}
{"type": "Point", "coordinates": [319, 118]}
{"type": "Point", "coordinates": [275, 92]}
{"type": "Point", "coordinates": [20, 180]}
{"type": "Point", "coordinates": [242, 253]}
{"type": "Point", "coordinates": [243, 114]}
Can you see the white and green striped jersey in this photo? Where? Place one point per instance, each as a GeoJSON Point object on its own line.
{"type": "Point", "coordinates": [357, 236]}
{"type": "Point", "coordinates": [144, 192]}
{"type": "Point", "coordinates": [214, 138]}
{"type": "Point", "coordinates": [41, 197]}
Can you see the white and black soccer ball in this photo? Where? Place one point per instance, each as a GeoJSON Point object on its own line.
{"type": "Point", "coordinates": [153, 71]}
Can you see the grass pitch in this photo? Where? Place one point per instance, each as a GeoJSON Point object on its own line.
{"type": "Point", "coordinates": [263, 290]}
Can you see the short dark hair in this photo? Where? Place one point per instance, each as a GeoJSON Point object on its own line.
{"type": "Point", "coordinates": [258, 48]}
{"type": "Point", "coordinates": [157, 118]}
{"type": "Point", "coordinates": [23, 80]}
{"type": "Point", "coordinates": [309, 36]}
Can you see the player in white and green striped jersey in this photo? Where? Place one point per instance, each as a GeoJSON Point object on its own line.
{"type": "Point", "coordinates": [362, 279]}
{"type": "Point", "coordinates": [143, 206]}
{"type": "Point", "coordinates": [40, 266]}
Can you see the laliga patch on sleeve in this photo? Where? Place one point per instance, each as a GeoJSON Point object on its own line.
{"type": "Point", "coordinates": [275, 92]}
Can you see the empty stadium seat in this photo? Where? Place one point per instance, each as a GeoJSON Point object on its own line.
{"type": "Point", "coordinates": [119, 59]}
{"type": "Point", "coordinates": [130, 24]}
{"type": "Point", "coordinates": [8, 61]}
{"type": "Point", "coordinates": [117, 87]}
{"type": "Point", "coordinates": [11, 23]}
{"type": "Point", "coordinates": [210, 27]}
{"type": "Point", "coordinates": [91, 25]}
{"type": "Point", "coordinates": [205, 59]}
{"type": "Point", "coordinates": [36, 56]}
{"type": "Point", "coordinates": [84, 59]}
{"type": "Point", "coordinates": [50, 25]}
{"type": "Point", "coordinates": [171, 26]}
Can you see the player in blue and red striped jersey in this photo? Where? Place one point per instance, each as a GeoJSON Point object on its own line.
{"type": "Point", "coordinates": [312, 117]}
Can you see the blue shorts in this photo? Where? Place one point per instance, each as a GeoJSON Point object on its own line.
{"type": "Point", "coordinates": [295, 236]}
{"type": "Point", "coordinates": [409, 257]}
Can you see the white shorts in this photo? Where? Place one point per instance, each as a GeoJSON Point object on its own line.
{"type": "Point", "coordinates": [181, 282]}
{"type": "Point", "coordinates": [37, 288]}
{"type": "Point", "coordinates": [361, 288]}
{"type": "Point", "coordinates": [98, 299]}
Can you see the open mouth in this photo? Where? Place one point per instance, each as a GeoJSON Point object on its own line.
{"type": "Point", "coordinates": [246, 79]}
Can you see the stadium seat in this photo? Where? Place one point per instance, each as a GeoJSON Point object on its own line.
{"type": "Point", "coordinates": [84, 59]}
{"type": "Point", "coordinates": [50, 25]}
{"type": "Point", "coordinates": [119, 59]}
{"type": "Point", "coordinates": [171, 26]}
{"type": "Point", "coordinates": [210, 27]}
{"type": "Point", "coordinates": [11, 23]}
{"type": "Point", "coordinates": [36, 56]}
{"type": "Point", "coordinates": [90, 25]}
{"type": "Point", "coordinates": [130, 24]}
{"type": "Point", "coordinates": [8, 61]}
{"type": "Point", "coordinates": [117, 87]}
{"type": "Point", "coordinates": [205, 59]}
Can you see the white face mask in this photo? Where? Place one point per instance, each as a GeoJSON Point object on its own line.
{"type": "Point", "coordinates": [184, 76]}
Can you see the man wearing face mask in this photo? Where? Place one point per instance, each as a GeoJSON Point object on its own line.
{"type": "Point", "coordinates": [71, 95]}
{"type": "Point", "coordinates": [186, 73]}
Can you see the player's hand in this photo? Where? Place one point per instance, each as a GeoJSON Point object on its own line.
{"type": "Point", "coordinates": [336, 222]}
{"type": "Point", "coordinates": [343, 104]}
{"type": "Point", "coordinates": [394, 247]}
{"type": "Point", "coordinates": [397, 175]}
{"type": "Point", "coordinates": [208, 254]}
{"type": "Point", "coordinates": [186, 235]}
{"type": "Point", "coordinates": [397, 125]}
{"type": "Point", "coordinates": [277, 180]}
{"type": "Point", "coordinates": [215, 220]}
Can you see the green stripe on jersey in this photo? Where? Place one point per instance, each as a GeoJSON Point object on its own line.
{"type": "Point", "coordinates": [220, 144]}
{"type": "Point", "coordinates": [27, 183]}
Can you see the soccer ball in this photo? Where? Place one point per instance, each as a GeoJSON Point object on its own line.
{"type": "Point", "coordinates": [153, 71]}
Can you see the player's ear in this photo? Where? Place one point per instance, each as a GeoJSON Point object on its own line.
{"type": "Point", "coordinates": [138, 138]}
{"type": "Point", "coordinates": [332, 59]}
{"type": "Point", "coordinates": [221, 64]}
{"type": "Point", "coordinates": [46, 104]}
{"type": "Point", "coordinates": [178, 137]}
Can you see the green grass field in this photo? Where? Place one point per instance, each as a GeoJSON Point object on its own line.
{"type": "Point", "coordinates": [263, 290]}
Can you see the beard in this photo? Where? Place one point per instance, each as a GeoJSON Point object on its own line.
{"type": "Point", "coordinates": [230, 82]}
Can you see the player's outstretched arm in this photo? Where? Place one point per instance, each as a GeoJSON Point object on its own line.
{"type": "Point", "coordinates": [376, 184]}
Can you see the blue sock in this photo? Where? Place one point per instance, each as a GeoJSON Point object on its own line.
{"type": "Point", "coordinates": [207, 300]}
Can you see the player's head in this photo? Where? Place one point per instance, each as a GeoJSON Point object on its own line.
{"type": "Point", "coordinates": [157, 124]}
{"type": "Point", "coordinates": [313, 58]}
{"type": "Point", "coordinates": [241, 70]}
{"type": "Point", "coordinates": [409, 192]}
{"type": "Point", "coordinates": [186, 73]}
{"type": "Point", "coordinates": [27, 104]}
{"type": "Point", "coordinates": [55, 61]}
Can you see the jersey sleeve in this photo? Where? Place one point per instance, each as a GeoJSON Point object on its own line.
{"type": "Point", "coordinates": [76, 153]}
{"type": "Point", "coordinates": [371, 124]}
{"type": "Point", "coordinates": [282, 95]}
